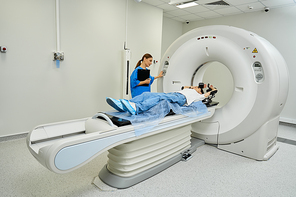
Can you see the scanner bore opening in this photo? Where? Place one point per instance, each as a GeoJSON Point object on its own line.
{"type": "Point", "coordinates": [217, 74]}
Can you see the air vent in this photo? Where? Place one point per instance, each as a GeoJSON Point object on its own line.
{"type": "Point", "coordinates": [218, 3]}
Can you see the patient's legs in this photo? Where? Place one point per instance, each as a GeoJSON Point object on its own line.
{"type": "Point", "coordinates": [149, 99]}
{"type": "Point", "coordinates": [116, 104]}
{"type": "Point", "coordinates": [145, 101]}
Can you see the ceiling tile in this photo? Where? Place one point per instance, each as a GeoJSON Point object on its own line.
{"type": "Point", "coordinates": [167, 7]}
{"type": "Point", "coordinates": [178, 19]}
{"type": "Point", "coordinates": [255, 7]}
{"type": "Point", "coordinates": [196, 9]}
{"type": "Point", "coordinates": [191, 17]}
{"type": "Point", "coordinates": [210, 14]}
{"type": "Point", "coordinates": [178, 12]}
{"type": "Point", "coordinates": [229, 11]}
{"type": "Point", "coordinates": [273, 3]}
{"type": "Point", "coordinates": [168, 15]}
{"type": "Point", "coordinates": [240, 2]}
{"type": "Point", "coordinates": [153, 2]}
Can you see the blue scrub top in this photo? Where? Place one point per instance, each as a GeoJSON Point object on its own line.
{"type": "Point", "coordinates": [137, 90]}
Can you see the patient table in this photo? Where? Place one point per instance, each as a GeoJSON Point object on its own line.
{"type": "Point", "coordinates": [65, 146]}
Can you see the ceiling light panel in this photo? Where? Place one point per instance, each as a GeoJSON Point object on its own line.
{"type": "Point", "coordinates": [186, 5]}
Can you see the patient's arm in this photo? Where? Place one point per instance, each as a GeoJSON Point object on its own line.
{"type": "Point", "coordinates": [208, 93]}
{"type": "Point", "coordinates": [197, 88]}
{"type": "Point", "coordinates": [189, 87]}
{"type": "Point", "coordinates": [212, 87]}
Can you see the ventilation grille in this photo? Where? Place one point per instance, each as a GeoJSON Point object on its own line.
{"type": "Point", "coordinates": [218, 3]}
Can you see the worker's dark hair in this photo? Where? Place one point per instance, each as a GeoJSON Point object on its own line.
{"type": "Point", "coordinates": [147, 55]}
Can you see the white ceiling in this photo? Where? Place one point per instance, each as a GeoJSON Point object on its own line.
{"type": "Point", "coordinates": [203, 11]}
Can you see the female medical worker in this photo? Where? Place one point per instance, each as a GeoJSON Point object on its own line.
{"type": "Point", "coordinates": [138, 87]}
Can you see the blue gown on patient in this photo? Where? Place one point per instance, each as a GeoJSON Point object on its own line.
{"type": "Point", "coordinates": [147, 100]}
{"type": "Point", "coordinates": [146, 121]}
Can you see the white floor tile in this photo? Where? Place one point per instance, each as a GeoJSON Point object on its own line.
{"type": "Point", "coordinates": [210, 172]}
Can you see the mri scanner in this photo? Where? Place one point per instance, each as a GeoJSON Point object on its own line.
{"type": "Point", "coordinates": [246, 125]}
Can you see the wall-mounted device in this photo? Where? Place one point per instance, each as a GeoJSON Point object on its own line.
{"type": "Point", "coordinates": [165, 67]}
{"type": "Point", "coordinates": [3, 49]}
{"type": "Point", "coordinates": [58, 56]}
{"type": "Point", "coordinates": [258, 72]}
{"type": "Point", "coordinates": [126, 73]}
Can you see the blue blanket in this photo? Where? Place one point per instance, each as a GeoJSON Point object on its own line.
{"type": "Point", "coordinates": [145, 122]}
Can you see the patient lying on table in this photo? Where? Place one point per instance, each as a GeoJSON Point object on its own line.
{"type": "Point", "coordinates": [147, 110]}
{"type": "Point", "coordinates": [147, 100]}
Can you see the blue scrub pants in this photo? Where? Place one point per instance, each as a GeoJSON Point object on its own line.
{"type": "Point", "coordinates": [149, 99]}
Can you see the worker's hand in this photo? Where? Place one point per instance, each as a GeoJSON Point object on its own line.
{"type": "Point", "coordinates": [147, 81]}
{"type": "Point", "coordinates": [160, 75]}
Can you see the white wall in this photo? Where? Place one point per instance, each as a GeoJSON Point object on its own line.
{"type": "Point", "coordinates": [171, 30]}
{"type": "Point", "coordinates": [144, 34]}
{"type": "Point", "coordinates": [34, 91]}
{"type": "Point", "coordinates": [278, 27]}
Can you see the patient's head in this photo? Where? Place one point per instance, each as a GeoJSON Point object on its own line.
{"type": "Point", "coordinates": [201, 86]}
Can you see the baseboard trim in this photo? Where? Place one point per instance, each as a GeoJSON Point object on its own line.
{"type": "Point", "coordinates": [288, 120]}
{"type": "Point", "coordinates": [13, 137]}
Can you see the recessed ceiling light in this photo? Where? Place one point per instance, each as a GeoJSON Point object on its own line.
{"type": "Point", "coordinates": [186, 5]}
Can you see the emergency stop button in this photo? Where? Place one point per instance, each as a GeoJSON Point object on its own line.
{"type": "Point", "coordinates": [3, 49]}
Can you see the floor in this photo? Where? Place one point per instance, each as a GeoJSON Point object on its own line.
{"type": "Point", "coordinates": [210, 172]}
